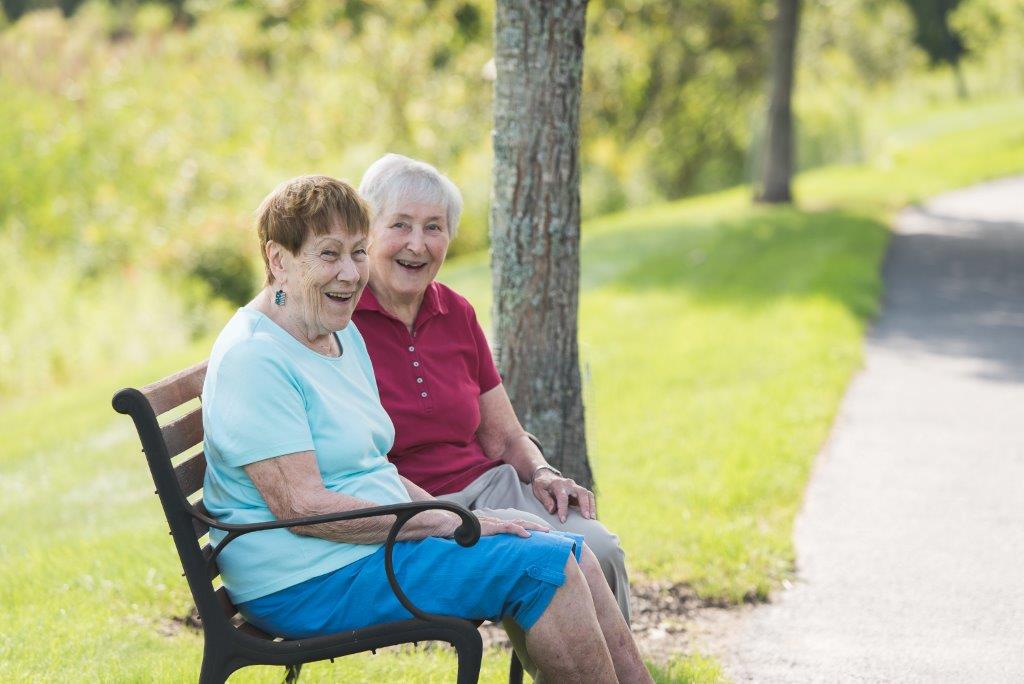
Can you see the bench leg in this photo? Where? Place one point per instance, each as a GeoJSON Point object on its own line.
{"type": "Point", "coordinates": [215, 668]}
{"type": "Point", "coordinates": [470, 649]}
{"type": "Point", "coordinates": [515, 670]}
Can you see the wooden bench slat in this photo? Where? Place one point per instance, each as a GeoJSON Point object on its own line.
{"type": "Point", "coordinates": [225, 602]}
{"type": "Point", "coordinates": [176, 389]}
{"type": "Point", "coordinates": [184, 432]}
{"type": "Point", "coordinates": [190, 474]}
{"type": "Point", "coordinates": [253, 630]}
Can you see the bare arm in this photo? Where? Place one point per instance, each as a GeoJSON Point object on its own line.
{"type": "Point", "coordinates": [504, 439]}
{"type": "Point", "coordinates": [416, 493]}
{"type": "Point", "coordinates": [488, 525]}
{"type": "Point", "coordinates": [292, 487]}
{"type": "Point", "coordinates": [502, 436]}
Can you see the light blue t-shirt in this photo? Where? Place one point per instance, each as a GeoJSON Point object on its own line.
{"type": "Point", "coordinates": [266, 394]}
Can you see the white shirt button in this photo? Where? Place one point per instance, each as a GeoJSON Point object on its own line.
{"type": "Point", "coordinates": [419, 380]}
{"type": "Point", "coordinates": [423, 394]}
{"type": "Point", "coordinates": [415, 364]}
{"type": "Point", "coordinates": [412, 348]}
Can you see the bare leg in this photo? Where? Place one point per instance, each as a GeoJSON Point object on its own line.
{"type": "Point", "coordinates": [566, 642]}
{"type": "Point", "coordinates": [629, 666]}
{"type": "Point", "coordinates": [518, 638]}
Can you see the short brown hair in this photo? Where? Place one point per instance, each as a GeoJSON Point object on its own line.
{"type": "Point", "coordinates": [308, 204]}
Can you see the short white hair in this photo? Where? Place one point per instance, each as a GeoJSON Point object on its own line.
{"type": "Point", "coordinates": [394, 179]}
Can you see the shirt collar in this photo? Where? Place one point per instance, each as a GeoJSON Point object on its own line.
{"type": "Point", "coordinates": [368, 302]}
{"type": "Point", "coordinates": [432, 304]}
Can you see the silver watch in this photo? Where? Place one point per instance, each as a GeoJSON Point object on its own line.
{"type": "Point", "coordinates": [552, 468]}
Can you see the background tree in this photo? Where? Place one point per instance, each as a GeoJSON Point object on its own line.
{"type": "Point", "coordinates": [778, 160]}
{"type": "Point", "coordinates": [127, 104]}
{"type": "Point", "coordinates": [670, 88]}
{"type": "Point", "coordinates": [535, 220]}
{"type": "Point", "coordinates": [934, 34]}
{"type": "Point", "coordinates": [991, 31]}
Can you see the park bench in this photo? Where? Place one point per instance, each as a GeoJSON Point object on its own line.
{"type": "Point", "coordinates": [177, 464]}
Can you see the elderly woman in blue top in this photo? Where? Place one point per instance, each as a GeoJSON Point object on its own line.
{"type": "Point", "coordinates": [294, 427]}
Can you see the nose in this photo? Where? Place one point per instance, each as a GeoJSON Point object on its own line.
{"type": "Point", "coordinates": [348, 271]}
{"type": "Point", "coordinates": [415, 242]}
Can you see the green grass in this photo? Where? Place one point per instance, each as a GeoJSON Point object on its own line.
{"type": "Point", "coordinates": [717, 340]}
{"type": "Point", "coordinates": [752, 328]}
{"type": "Point", "coordinates": [693, 669]}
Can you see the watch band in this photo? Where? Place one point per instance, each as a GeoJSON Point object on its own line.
{"type": "Point", "coordinates": [552, 468]}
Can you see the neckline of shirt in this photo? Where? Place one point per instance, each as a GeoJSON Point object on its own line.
{"type": "Point", "coordinates": [431, 306]}
{"type": "Point", "coordinates": [280, 332]}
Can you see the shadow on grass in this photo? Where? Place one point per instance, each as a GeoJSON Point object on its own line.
{"type": "Point", "coordinates": [769, 255]}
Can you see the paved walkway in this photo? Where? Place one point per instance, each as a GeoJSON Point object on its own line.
{"type": "Point", "coordinates": [911, 542]}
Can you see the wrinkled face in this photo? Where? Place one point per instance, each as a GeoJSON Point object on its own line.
{"type": "Point", "coordinates": [407, 247]}
{"type": "Point", "coordinates": [322, 281]}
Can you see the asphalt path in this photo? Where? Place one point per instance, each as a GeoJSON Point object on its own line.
{"type": "Point", "coordinates": [910, 545]}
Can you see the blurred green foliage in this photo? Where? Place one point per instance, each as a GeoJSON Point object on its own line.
{"type": "Point", "coordinates": [138, 138]}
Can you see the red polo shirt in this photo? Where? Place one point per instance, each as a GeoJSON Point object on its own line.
{"type": "Point", "coordinates": [430, 381]}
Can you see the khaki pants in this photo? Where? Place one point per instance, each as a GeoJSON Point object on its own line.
{"type": "Point", "coordinates": [499, 493]}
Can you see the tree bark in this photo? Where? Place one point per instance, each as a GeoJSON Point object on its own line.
{"type": "Point", "coordinates": [778, 160]}
{"type": "Point", "coordinates": [535, 221]}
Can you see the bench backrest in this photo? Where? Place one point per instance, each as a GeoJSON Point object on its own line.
{"type": "Point", "coordinates": [178, 468]}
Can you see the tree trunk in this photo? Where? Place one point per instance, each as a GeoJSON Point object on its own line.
{"type": "Point", "coordinates": [535, 221]}
{"type": "Point", "coordinates": [961, 82]}
{"type": "Point", "coordinates": [778, 161]}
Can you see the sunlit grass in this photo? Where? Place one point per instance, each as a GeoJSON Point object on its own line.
{"type": "Point", "coordinates": [694, 669]}
{"type": "Point", "coordinates": [710, 415]}
{"type": "Point", "coordinates": [925, 153]}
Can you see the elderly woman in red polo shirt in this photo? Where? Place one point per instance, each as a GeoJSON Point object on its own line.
{"type": "Point", "coordinates": [457, 435]}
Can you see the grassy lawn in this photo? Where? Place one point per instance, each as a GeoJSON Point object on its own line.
{"type": "Point", "coordinates": [717, 339]}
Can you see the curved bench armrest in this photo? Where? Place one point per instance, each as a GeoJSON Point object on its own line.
{"type": "Point", "coordinates": [466, 534]}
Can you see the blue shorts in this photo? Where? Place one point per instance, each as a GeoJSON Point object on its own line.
{"type": "Point", "coordinates": [500, 576]}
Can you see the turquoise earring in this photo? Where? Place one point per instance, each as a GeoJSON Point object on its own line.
{"type": "Point", "coordinates": [279, 297]}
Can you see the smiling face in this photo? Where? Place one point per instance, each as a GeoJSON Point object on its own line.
{"type": "Point", "coordinates": [322, 281]}
{"type": "Point", "coordinates": [407, 247]}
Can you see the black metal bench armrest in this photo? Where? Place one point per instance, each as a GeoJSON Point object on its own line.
{"type": "Point", "coordinates": [536, 442]}
{"type": "Point", "coordinates": [466, 534]}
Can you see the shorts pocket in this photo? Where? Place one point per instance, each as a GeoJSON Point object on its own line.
{"type": "Point", "coordinates": [549, 575]}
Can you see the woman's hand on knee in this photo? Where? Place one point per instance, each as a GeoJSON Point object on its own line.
{"type": "Point", "coordinates": [520, 528]}
{"type": "Point", "coordinates": [558, 493]}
